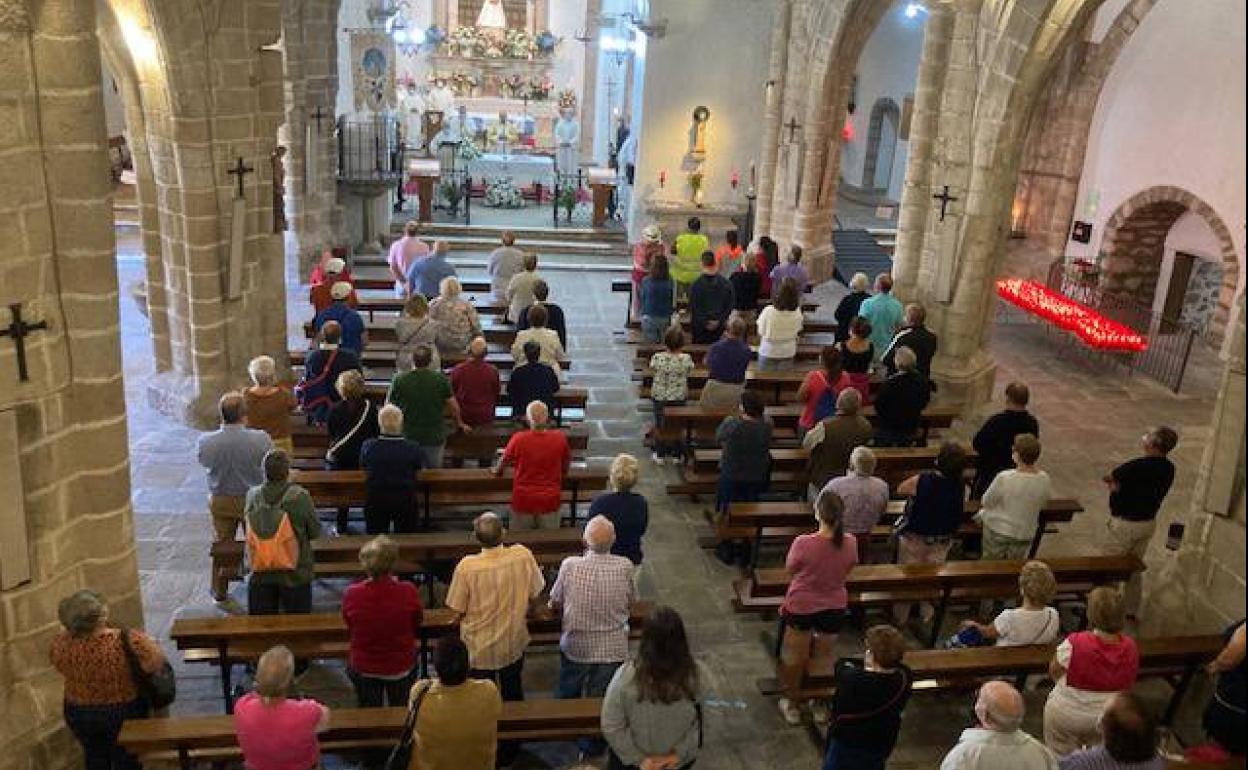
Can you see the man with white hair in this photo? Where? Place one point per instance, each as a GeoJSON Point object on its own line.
{"type": "Point", "coordinates": [320, 293]}
{"type": "Point", "coordinates": [595, 593]}
{"type": "Point", "coordinates": [850, 304]}
{"type": "Point", "coordinates": [541, 457]}
{"type": "Point", "coordinates": [390, 463]}
{"type": "Point", "coordinates": [865, 498]}
{"type": "Point", "coordinates": [354, 333]}
{"type": "Point", "coordinates": [999, 743]}
{"type": "Point", "coordinates": [900, 402]}
{"type": "Point", "coordinates": [426, 274]}
{"type": "Point", "coordinates": [833, 438]}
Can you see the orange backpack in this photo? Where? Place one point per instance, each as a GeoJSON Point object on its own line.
{"type": "Point", "coordinates": [278, 553]}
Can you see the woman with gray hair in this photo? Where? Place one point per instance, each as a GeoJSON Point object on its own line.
{"type": "Point", "coordinates": [275, 731]}
{"type": "Point", "coordinates": [865, 498]}
{"type": "Point", "coordinates": [390, 464]}
{"type": "Point", "coordinates": [100, 692]}
{"type": "Point", "coordinates": [383, 616]}
{"type": "Point", "coordinates": [269, 403]}
{"type": "Point", "coordinates": [847, 310]}
{"type": "Point", "coordinates": [413, 329]}
{"type": "Point", "coordinates": [456, 317]}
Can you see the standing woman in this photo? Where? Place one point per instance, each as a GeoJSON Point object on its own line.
{"type": "Point", "coordinates": [625, 509]}
{"type": "Point", "coordinates": [413, 329]}
{"type": "Point", "coordinates": [350, 423]}
{"type": "Point", "coordinates": [269, 403]}
{"type": "Point", "coordinates": [644, 253]}
{"type": "Point", "coordinates": [652, 711]}
{"type": "Point", "coordinates": [815, 603]}
{"type": "Point", "coordinates": [768, 258]}
{"type": "Point", "coordinates": [657, 297]}
{"type": "Point", "coordinates": [830, 376]}
{"type": "Point", "coordinates": [100, 692]}
{"type": "Point", "coordinates": [456, 316]}
{"type": "Point", "coordinates": [779, 325]}
{"type": "Point", "coordinates": [856, 355]}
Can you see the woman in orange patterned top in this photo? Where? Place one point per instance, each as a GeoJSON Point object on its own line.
{"type": "Point", "coordinates": [99, 690]}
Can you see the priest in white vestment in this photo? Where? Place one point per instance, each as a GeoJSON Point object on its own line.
{"type": "Point", "coordinates": [567, 141]}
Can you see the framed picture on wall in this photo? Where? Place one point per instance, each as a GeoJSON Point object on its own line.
{"type": "Point", "coordinates": [1081, 232]}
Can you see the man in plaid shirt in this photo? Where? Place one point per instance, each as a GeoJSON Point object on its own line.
{"type": "Point", "coordinates": [595, 592]}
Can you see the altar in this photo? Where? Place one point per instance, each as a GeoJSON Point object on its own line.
{"type": "Point", "coordinates": [524, 170]}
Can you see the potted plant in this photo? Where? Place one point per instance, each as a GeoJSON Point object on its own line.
{"type": "Point", "coordinates": [453, 194]}
{"type": "Point", "coordinates": [568, 200]}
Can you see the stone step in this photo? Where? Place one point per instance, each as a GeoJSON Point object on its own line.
{"type": "Point", "coordinates": [493, 233]}
{"type": "Point", "coordinates": [551, 245]}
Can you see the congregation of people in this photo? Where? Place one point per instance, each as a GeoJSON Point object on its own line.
{"type": "Point", "coordinates": [746, 305]}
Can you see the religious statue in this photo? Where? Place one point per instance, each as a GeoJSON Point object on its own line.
{"type": "Point", "coordinates": [411, 105]}
{"type": "Point", "coordinates": [503, 135]}
{"type": "Point", "coordinates": [698, 133]}
{"type": "Point", "coordinates": [278, 162]}
{"type": "Point", "coordinates": [567, 140]}
{"type": "Point", "coordinates": [492, 16]}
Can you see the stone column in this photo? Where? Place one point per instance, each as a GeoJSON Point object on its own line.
{"type": "Point", "coordinates": [912, 217]}
{"type": "Point", "coordinates": [773, 116]}
{"type": "Point", "coordinates": [589, 97]}
{"type": "Point", "coordinates": [71, 470]}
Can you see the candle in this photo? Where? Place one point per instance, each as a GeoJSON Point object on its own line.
{"type": "Point", "coordinates": [735, 179]}
{"type": "Point", "coordinates": [662, 178]}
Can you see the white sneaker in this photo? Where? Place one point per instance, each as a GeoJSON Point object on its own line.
{"type": "Point", "coordinates": [657, 459]}
{"type": "Point", "coordinates": [791, 713]}
{"type": "Point", "coordinates": [820, 713]}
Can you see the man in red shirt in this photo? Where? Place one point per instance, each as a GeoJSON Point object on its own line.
{"type": "Point", "coordinates": [476, 386]}
{"type": "Point", "coordinates": [541, 457]}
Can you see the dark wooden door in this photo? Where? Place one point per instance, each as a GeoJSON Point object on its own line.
{"type": "Point", "coordinates": [1176, 292]}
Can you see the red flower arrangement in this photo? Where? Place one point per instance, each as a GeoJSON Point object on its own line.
{"type": "Point", "coordinates": [1094, 329]}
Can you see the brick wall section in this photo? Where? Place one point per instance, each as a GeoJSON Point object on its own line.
{"type": "Point", "coordinates": [56, 219]}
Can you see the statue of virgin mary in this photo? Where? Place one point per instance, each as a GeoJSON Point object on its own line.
{"type": "Point", "coordinates": [492, 15]}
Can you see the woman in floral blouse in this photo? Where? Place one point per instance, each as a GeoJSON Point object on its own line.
{"type": "Point", "coordinates": [456, 316]}
{"type": "Point", "coordinates": [669, 387]}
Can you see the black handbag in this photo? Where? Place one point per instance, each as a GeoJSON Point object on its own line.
{"type": "Point", "coordinates": [157, 689]}
{"type": "Point", "coordinates": [401, 755]}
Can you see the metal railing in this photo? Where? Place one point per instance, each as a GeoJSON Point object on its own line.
{"type": "Point", "coordinates": [1170, 340]}
{"type": "Point", "coordinates": [370, 149]}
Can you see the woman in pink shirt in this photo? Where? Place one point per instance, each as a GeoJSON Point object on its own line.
{"type": "Point", "coordinates": [814, 606]}
{"type": "Point", "coordinates": [276, 732]}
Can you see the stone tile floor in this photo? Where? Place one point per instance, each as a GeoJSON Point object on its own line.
{"type": "Point", "coordinates": [1091, 419]}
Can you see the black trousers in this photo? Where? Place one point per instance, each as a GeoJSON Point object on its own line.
{"type": "Point", "coordinates": [96, 728]}
{"type": "Point", "coordinates": [510, 686]}
{"type": "Point", "coordinates": [390, 509]}
{"type": "Point", "coordinates": [275, 599]}
{"type": "Point", "coordinates": [372, 692]}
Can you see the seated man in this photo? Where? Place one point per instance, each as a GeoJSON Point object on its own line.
{"type": "Point", "coordinates": [319, 295]}
{"type": "Point", "coordinates": [426, 398]}
{"type": "Point", "coordinates": [532, 381]}
{"type": "Point", "coordinates": [354, 332]}
{"type": "Point", "coordinates": [476, 385]}
{"type": "Point", "coordinates": [541, 457]}
{"type": "Point", "coordinates": [491, 594]}
{"type": "Point", "coordinates": [1130, 740]}
{"type": "Point", "coordinates": [999, 743]}
{"type": "Point", "coordinates": [900, 402]}
{"type": "Point", "coordinates": [318, 390]}
{"type": "Point", "coordinates": [554, 314]}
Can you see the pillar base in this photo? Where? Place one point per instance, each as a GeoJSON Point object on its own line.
{"type": "Point", "coordinates": [182, 398]}
{"type": "Point", "coordinates": [967, 382]}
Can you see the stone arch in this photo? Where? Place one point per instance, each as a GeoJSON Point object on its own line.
{"type": "Point", "coordinates": [885, 110]}
{"type": "Point", "coordinates": [1134, 239]}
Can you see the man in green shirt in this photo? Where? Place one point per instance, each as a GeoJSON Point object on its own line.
{"type": "Point", "coordinates": [426, 398]}
{"type": "Point", "coordinates": [687, 250]}
{"type": "Point", "coordinates": [273, 591]}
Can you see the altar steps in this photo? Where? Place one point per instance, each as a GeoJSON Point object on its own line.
{"type": "Point", "coordinates": [609, 245]}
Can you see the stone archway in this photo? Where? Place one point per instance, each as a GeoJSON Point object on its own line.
{"type": "Point", "coordinates": [1134, 242]}
{"type": "Point", "coordinates": [884, 113]}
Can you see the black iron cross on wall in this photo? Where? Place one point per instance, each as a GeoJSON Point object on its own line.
{"type": "Point", "coordinates": [945, 199]}
{"type": "Point", "coordinates": [793, 127]}
{"type": "Point", "coordinates": [18, 329]}
{"type": "Point", "coordinates": [317, 115]}
{"type": "Point", "coordinates": [240, 169]}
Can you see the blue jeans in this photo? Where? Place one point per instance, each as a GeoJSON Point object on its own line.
{"type": "Point", "coordinates": [842, 757]}
{"type": "Point", "coordinates": [585, 680]}
{"type": "Point", "coordinates": [653, 327]}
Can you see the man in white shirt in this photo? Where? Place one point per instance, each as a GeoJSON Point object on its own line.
{"type": "Point", "coordinates": [1012, 504]}
{"type": "Point", "coordinates": [999, 742]}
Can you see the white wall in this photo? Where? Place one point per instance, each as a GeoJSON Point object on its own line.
{"type": "Point", "coordinates": [715, 53]}
{"type": "Point", "coordinates": [1172, 112]}
{"type": "Point", "coordinates": [1191, 235]}
{"type": "Point", "coordinates": [888, 68]}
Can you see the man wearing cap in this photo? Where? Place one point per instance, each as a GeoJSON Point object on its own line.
{"type": "Point", "coordinates": [354, 335]}
{"type": "Point", "coordinates": [321, 295]}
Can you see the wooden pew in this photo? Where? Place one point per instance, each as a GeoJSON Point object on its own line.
{"type": "Point", "coordinates": [386, 283]}
{"type": "Point", "coordinates": [809, 326]}
{"type": "Point", "coordinates": [567, 400]}
{"type": "Point", "coordinates": [692, 418]}
{"type": "Point", "coordinates": [447, 487]}
{"type": "Point", "coordinates": [483, 442]}
{"type": "Point", "coordinates": [1174, 658]}
{"type": "Point", "coordinates": [777, 388]}
{"type": "Point", "coordinates": [225, 641]}
{"type": "Point", "coordinates": [806, 353]}
{"type": "Point", "coordinates": [377, 358]}
{"type": "Point", "coordinates": [381, 329]}
{"type": "Point", "coordinates": [371, 305]}
{"type": "Point", "coordinates": [779, 520]}
{"type": "Point", "coordinates": [940, 584]}
{"type": "Point", "coordinates": [893, 464]}
{"type": "Point", "coordinates": [188, 740]}
{"type": "Point", "coordinates": [630, 336]}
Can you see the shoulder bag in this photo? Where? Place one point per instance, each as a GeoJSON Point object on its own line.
{"type": "Point", "coordinates": [401, 755]}
{"type": "Point", "coordinates": [157, 689]}
{"type": "Point", "coordinates": [330, 454]}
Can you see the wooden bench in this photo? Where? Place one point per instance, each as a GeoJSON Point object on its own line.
{"type": "Point", "coordinates": [225, 641]}
{"type": "Point", "coordinates": [567, 401]}
{"type": "Point", "coordinates": [784, 521]}
{"type": "Point", "coordinates": [369, 283]}
{"type": "Point", "coordinates": [806, 353]}
{"type": "Point", "coordinates": [809, 326]}
{"type": "Point", "coordinates": [940, 584]}
{"type": "Point", "coordinates": [482, 443]}
{"type": "Point", "coordinates": [188, 740]}
{"type": "Point", "coordinates": [892, 464]}
{"type": "Point", "coordinates": [447, 487]}
{"type": "Point", "coordinates": [1174, 658]}
{"type": "Point", "coordinates": [381, 329]}
{"type": "Point", "coordinates": [377, 358]}
{"type": "Point", "coordinates": [626, 286]}
{"type": "Point", "coordinates": [373, 304]}
{"type": "Point", "coordinates": [630, 336]}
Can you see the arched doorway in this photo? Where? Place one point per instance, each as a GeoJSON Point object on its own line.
{"type": "Point", "coordinates": [882, 133]}
{"type": "Point", "coordinates": [1134, 248]}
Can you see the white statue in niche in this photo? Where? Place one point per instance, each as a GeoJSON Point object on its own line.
{"type": "Point", "coordinates": [567, 140]}
{"type": "Point", "coordinates": [492, 15]}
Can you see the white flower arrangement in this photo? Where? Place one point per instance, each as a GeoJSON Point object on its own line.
{"type": "Point", "coordinates": [502, 193]}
